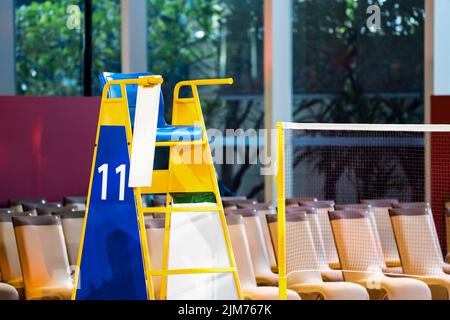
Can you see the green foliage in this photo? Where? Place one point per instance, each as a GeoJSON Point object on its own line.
{"type": "Point", "coordinates": [358, 76]}
{"type": "Point", "coordinates": [48, 54]}
{"type": "Point", "coordinates": [183, 39]}
{"type": "Point", "coordinates": [106, 50]}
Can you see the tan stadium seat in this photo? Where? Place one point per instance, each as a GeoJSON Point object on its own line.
{"type": "Point", "coordinates": [233, 198]}
{"type": "Point", "coordinates": [427, 207]}
{"type": "Point", "coordinates": [328, 274]}
{"type": "Point", "coordinates": [62, 210]}
{"type": "Point", "coordinates": [447, 227]}
{"type": "Point", "coordinates": [35, 205]}
{"type": "Point", "coordinates": [262, 209]}
{"type": "Point", "coordinates": [272, 224]}
{"type": "Point", "coordinates": [384, 227]}
{"type": "Point", "coordinates": [233, 204]}
{"type": "Point", "coordinates": [74, 200]}
{"type": "Point", "coordinates": [419, 248]}
{"type": "Point", "coordinates": [159, 202]}
{"type": "Point", "coordinates": [72, 224]}
{"type": "Point", "coordinates": [363, 262]}
{"type": "Point", "coordinates": [381, 203]}
{"type": "Point", "coordinates": [303, 268]}
{"type": "Point", "coordinates": [389, 268]}
{"type": "Point", "coordinates": [8, 292]}
{"type": "Point", "coordinates": [293, 202]}
{"type": "Point", "coordinates": [9, 256]}
{"type": "Point", "coordinates": [8, 210]}
{"type": "Point", "coordinates": [241, 250]}
{"type": "Point", "coordinates": [12, 209]}
{"type": "Point", "coordinates": [322, 212]}
{"type": "Point", "coordinates": [155, 240]}
{"type": "Point", "coordinates": [410, 205]}
{"type": "Point", "coordinates": [49, 210]}
{"type": "Point", "coordinates": [74, 207]}
{"type": "Point", "coordinates": [43, 257]}
{"type": "Point", "coordinates": [45, 209]}
{"type": "Point", "coordinates": [15, 202]}
{"type": "Point", "coordinates": [257, 245]}
{"type": "Point", "coordinates": [17, 208]}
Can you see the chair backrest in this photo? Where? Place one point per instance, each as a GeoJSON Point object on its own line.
{"type": "Point", "coordinates": [447, 236]}
{"type": "Point", "coordinates": [9, 210]}
{"type": "Point", "coordinates": [74, 200]}
{"type": "Point", "coordinates": [72, 224]}
{"type": "Point", "coordinates": [380, 202]}
{"type": "Point", "coordinates": [421, 206]}
{"type": "Point", "coordinates": [272, 224]}
{"type": "Point", "coordinates": [241, 250]}
{"type": "Point", "coordinates": [9, 256]}
{"type": "Point", "coordinates": [47, 210]}
{"type": "Point", "coordinates": [410, 205]}
{"type": "Point", "coordinates": [232, 198]}
{"type": "Point", "coordinates": [234, 204]}
{"type": "Point", "coordinates": [418, 246]}
{"type": "Point", "coordinates": [302, 265]}
{"type": "Point", "coordinates": [356, 241]}
{"type": "Point", "coordinates": [262, 209]}
{"type": "Point", "coordinates": [380, 210]}
{"type": "Point", "coordinates": [41, 209]}
{"type": "Point", "coordinates": [255, 237]}
{"type": "Point", "coordinates": [322, 208]}
{"type": "Point", "coordinates": [316, 233]}
{"type": "Point", "coordinates": [155, 240]}
{"type": "Point", "coordinates": [42, 253]}
{"type": "Point", "coordinates": [14, 202]}
{"type": "Point", "coordinates": [115, 92]}
{"type": "Point", "coordinates": [293, 202]}
{"type": "Point", "coordinates": [370, 213]}
{"type": "Point", "coordinates": [73, 207]}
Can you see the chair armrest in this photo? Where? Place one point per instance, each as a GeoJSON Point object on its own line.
{"type": "Point", "coordinates": [201, 82]}
{"type": "Point", "coordinates": [143, 81]}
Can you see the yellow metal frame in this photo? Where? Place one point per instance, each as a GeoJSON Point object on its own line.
{"type": "Point", "coordinates": [281, 202]}
{"type": "Point", "coordinates": [200, 177]}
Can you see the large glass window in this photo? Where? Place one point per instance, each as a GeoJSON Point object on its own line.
{"type": "Point", "coordinates": [50, 44]}
{"type": "Point", "coordinates": [106, 44]}
{"type": "Point", "coordinates": [344, 72]}
{"type": "Point", "coordinates": [212, 38]}
{"type": "Point", "coordinates": [49, 47]}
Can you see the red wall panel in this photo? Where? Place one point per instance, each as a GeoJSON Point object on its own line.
{"type": "Point", "coordinates": [440, 164]}
{"type": "Point", "coordinates": [46, 146]}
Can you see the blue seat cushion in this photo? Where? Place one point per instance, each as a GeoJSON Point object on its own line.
{"type": "Point", "coordinates": [178, 133]}
{"type": "Point", "coordinates": [169, 132]}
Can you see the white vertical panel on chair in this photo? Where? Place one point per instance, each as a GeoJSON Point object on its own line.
{"type": "Point", "coordinates": [144, 136]}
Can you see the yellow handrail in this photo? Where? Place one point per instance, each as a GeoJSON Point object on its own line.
{"type": "Point", "coordinates": [143, 81]}
{"type": "Point", "coordinates": [202, 82]}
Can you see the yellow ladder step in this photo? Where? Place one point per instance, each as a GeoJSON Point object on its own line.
{"type": "Point", "coordinates": [191, 271]}
{"type": "Point", "coordinates": [180, 209]}
{"type": "Point", "coordinates": [180, 143]}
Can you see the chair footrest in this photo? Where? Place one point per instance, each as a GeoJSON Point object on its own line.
{"type": "Point", "coordinates": [180, 209]}
{"type": "Point", "coordinates": [180, 143]}
{"type": "Point", "coordinates": [192, 271]}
